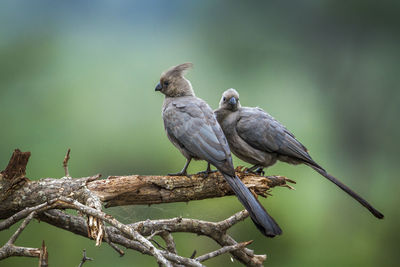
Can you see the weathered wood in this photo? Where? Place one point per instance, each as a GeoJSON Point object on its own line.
{"type": "Point", "coordinates": [21, 197]}
{"type": "Point", "coordinates": [17, 165]}
{"type": "Point", "coordinates": [33, 193]}
{"type": "Point", "coordinates": [141, 189]}
{"type": "Point", "coordinates": [132, 190]}
{"type": "Point", "coordinates": [13, 176]}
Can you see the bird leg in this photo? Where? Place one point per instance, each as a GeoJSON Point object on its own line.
{"type": "Point", "coordinates": [260, 171]}
{"type": "Point", "coordinates": [256, 169]}
{"type": "Point", "coordinates": [207, 171]}
{"type": "Point", "coordinates": [183, 171]}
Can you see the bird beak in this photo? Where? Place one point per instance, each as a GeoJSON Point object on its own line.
{"type": "Point", "coordinates": [232, 101]}
{"type": "Point", "coordinates": [158, 87]}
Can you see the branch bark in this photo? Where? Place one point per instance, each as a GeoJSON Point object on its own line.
{"type": "Point", "coordinates": [23, 198]}
{"type": "Point", "coordinates": [133, 189]}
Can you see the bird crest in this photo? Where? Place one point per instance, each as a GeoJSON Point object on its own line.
{"type": "Point", "coordinates": [179, 70]}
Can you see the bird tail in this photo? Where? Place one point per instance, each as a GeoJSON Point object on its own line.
{"type": "Point", "coordinates": [353, 194]}
{"type": "Point", "coordinates": [264, 222]}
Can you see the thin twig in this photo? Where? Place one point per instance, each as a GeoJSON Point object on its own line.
{"type": "Point", "coordinates": [235, 218]}
{"type": "Point", "coordinates": [122, 227]}
{"type": "Point", "coordinates": [193, 254]}
{"type": "Point", "coordinates": [44, 256]}
{"type": "Point", "coordinates": [9, 249]}
{"type": "Point", "coordinates": [21, 228]}
{"type": "Point", "coordinates": [77, 225]}
{"type": "Point", "coordinates": [213, 230]}
{"type": "Point", "coordinates": [158, 244]}
{"type": "Point", "coordinates": [114, 246]}
{"type": "Point", "coordinates": [181, 260]}
{"type": "Point", "coordinates": [65, 163]}
{"type": "Point", "coordinates": [84, 258]}
{"type": "Point", "coordinates": [169, 241]}
{"type": "Point", "coordinates": [150, 237]}
{"type": "Point", "coordinates": [25, 212]}
{"type": "Point", "coordinates": [222, 251]}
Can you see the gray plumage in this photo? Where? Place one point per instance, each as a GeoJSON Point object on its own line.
{"type": "Point", "coordinates": [191, 126]}
{"type": "Point", "coordinates": [257, 138]}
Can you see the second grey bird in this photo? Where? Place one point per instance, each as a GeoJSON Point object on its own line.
{"type": "Point", "coordinates": [257, 138]}
{"type": "Point", "coordinates": [191, 126]}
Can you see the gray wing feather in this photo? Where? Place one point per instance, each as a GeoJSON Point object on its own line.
{"type": "Point", "coordinates": [263, 132]}
{"type": "Point", "coordinates": [193, 125]}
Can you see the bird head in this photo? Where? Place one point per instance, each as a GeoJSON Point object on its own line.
{"type": "Point", "coordinates": [173, 84]}
{"type": "Point", "coordinates": [230, 100]}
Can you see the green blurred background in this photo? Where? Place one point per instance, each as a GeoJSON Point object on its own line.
{"type": "Point", "coordinates": [81, 75]}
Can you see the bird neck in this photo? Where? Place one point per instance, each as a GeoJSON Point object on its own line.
{"type": "Point", "coordinates": [185, 93]}
{"type": "Point", "coordinates": [221, 114]}
{"type": "Point", "coordinates": [186, 89]}
{"type": "Point", "coordinates": [181, 87]}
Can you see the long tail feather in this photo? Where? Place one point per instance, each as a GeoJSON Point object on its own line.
{"type": "Point", "coordinates": [264, 222]}
{"type": "Point", "coordinates": [353, 194]}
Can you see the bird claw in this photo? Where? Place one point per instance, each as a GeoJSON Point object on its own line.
{"type": "Point", "coordinates": [259, 171]}
{"type": "Point", "coordinates": [179, 174]}
{"type": "Point", "coordinates": [206, 173]}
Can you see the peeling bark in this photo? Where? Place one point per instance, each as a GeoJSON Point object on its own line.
{"type": "Point", "coordinates": [131, 190]}
{"type": "Point", "coordinates": [22, 198]}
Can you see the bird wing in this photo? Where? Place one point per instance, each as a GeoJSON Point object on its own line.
{"type": "Point", "coordinates": [192, 123]}
{"type": "Point", "coordinates": [263, 132]}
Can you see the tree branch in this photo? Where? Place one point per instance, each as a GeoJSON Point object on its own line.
{"type": "Point", "coordinates": [23, 198]}
{"type": "Point", "coordinates": [9, 249]}
{"type": "Point", "coordinates": [132, 190]}
{"type": "Point", "coordinates": [77, 225]}
{"type": "Point", "coordinates": [222, 250]}
{"type": "Point", "coordinates": [123, 228]}
{"type": "Point", "coordinates": [142, 189]}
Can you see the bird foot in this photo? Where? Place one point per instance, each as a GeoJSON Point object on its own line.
{"type": "Point", "coordinates": [206, 173]}
{"type": "Point", "coordinates": [258, 171]}
{"type": "Point", "coordinates": [179, 174]}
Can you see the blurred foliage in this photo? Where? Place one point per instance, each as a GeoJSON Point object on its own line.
{"type": "Point", "coordinates": [82, 75]}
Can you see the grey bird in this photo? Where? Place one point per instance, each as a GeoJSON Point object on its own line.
{"type": "Point", "coordinates": [191, 126]}
{"type": "Point", "coordinates": [256, 137]}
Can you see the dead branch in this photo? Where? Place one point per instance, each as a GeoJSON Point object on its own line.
{"type": "Point", "coordinates": [13, 176]}
{"type": "Point", "coordinates": [44, 256]}
{"type": "Point", "coordinates": [131, 190]}
{"type": "Point", "coordinates": [41, 199]}
{"type": "Point", "coordinates": [65, 163]}
{"type": "Point", "coordinates": [25, 212]}
{"type": "Point", "coordinates": [169, 241]}
{"type": "Point", "coordinates": [223, 250]}
{"type": "Point", "coordinates": [128, 231]}
{"type": "Point", "coordinates": [213, 230]}
{"type": "Point", "coordinates": [142, 189]}
{"type": "Point", "coordinates": [9, 249]}
{"type": "Point", "coordinates": [84, 258]}
{"type": "Point", "coordinates": [77, 225]}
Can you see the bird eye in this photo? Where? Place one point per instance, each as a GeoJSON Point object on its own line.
{"type": "Point", "coordinates": [166, 83]}
{"type": "Point", "coordinates": [224, 98]}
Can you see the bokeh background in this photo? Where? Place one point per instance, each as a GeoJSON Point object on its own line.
{"type": "Point", "coordinates": [81, 75]}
